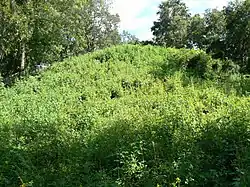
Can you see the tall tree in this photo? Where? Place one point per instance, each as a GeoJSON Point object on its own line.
{"type": "Point", "coordinates": [15, 33]}
{"type": "Point", "coordinates": [101, 27]}
{"type": "Point", "coordinates": [238, 32]}
{"type": "Point", "coordinates": [208, 32]}
{"type": "Point", "coordinates": [34, 32]}
{"type": "Point", "coordinates": [224, 34]}
{"type": "Point", "coordinates": [215, 26]}
{"type": "Point", "coordinates": [171, 28]}
{"type": "Point", "coordinates": [197, 32]}
{"type": "Point", "coordinates": [31, 32]}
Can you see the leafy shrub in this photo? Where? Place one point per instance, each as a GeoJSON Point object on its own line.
{"type": "Point", "coordinates": [127, 116]}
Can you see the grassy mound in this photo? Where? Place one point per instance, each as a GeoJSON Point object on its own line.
{"type": "Point", "coordinates": [128, 116]}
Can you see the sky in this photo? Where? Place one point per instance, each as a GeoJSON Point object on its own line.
{"type": "Point", "coordinates": [137, 16]}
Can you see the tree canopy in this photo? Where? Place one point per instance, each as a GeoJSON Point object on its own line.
{"type": "Point", "coordinates": [223, 33]}
{"type": "Point", "coordinates": [35, 32]}
{"type": "Point", "coordinates": [171, 28]}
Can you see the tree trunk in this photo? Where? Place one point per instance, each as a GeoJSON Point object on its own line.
{"type": "Point", "coordinates": [12, 6]}
{"type": "Point", "coordinates": [22, 66]}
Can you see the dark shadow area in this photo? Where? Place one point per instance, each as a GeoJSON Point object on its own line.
{"type": "Point", "coordinates": [224, 150]}
{"type": "Point", "coordinates": [128, 153]}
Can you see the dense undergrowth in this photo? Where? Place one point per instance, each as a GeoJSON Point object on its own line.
{"type": "Point", "coordinates": [128, 116]}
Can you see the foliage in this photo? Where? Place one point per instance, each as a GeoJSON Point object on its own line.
{"type": "Point", "coordinates": [238, 32]}
{"type": "Point", "coordinates": [127, 116]}
{"type": "Point", "coordinates": [43, 32]}
{"type": "Point", "coordinates": [222, 33]}
{"type": "Point", "coordinates": [128, 38]}
{"type": "Point", "coordinates": [171, 28]}
{"type": "Point", "coordinates": [100, 26]}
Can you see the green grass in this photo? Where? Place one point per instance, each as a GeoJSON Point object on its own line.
{"type": "Point", "coordinates": [127, 116]}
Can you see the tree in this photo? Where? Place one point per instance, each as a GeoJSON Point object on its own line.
{"type": "Point", "coordinates": [127, 37]}
{"type": "Point", "coordinates": [196, 32]}
{"type": "Point", "coordinates": [15, 33]}
{"type": "Point", "coordinates": [35, 32]}
{"type": "Point", "coordinates": [215, 33]}
{"type": "Point", "coordinates": [238, 33]}
{"type": "Point", "coordinates": [101, 27]}
{"type": "Point", "coordinates": [171, 28]}
{"type": "Point", "coordinates": [224, 34]}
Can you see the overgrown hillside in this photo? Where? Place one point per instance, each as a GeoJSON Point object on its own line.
{"type": "Point", "coordinates": [128, 116]}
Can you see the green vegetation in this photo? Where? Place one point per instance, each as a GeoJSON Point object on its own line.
{"type": "Point", "coordinates": [35, 32]}
{"type": "Point", "coordinates": [225, 33]}
{"type": "Point", "coordinates": [128, 116]}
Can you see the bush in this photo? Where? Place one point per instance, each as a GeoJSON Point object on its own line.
{"type": "Point", "coordinates": [126, 116]}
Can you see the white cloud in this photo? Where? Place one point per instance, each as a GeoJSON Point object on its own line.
{"type": "Point", "coordinates": [130, 10]}
{"type": "Point", "coordinates": [137, 16]}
